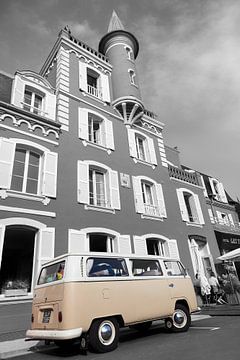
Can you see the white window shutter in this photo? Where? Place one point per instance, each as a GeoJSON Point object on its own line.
{"type": "Point", "coordinates": [166, 249]}
{"type": "Point", "coordinates": [7, 153]}
{"type": "Point", "coordinates": [137, 189]}
{"type": "Point", "coordinates": [173, 249]}
{"type": "Point", "coordinates": [105, 88]}
{"type": "Point", "coordinates": [140, 246]}
{"type": "Point", "coordinates": [109, 134]}
{"type": "Point", "coordinates": [231, 219]}
{"type": "Point", "coordinates": [204, 186]}
{"type": "Point", "coordinates": [212, 186]}
{"type": "Point", "coordinates": [199, 209]}
{"type": "Point", "coordinates": [123, 244]}
{"type": "Point", "coordinates": [182, 205]}
{"type": "Point", "coordinates": [211, 216]}
{"type": "Point", "coordinates": [83, 182]}
{"type": "Point", "coordinates": [46, 245]}
{"type": "Point", "coordinates": [82, 76]}
{"type": "Point", "coordinates": [132, 143]}
{"type": "Point", "coordinates": [50, 106]}
{"type": "Point", "coordinates": [114, 189]}
{"type": "Point", "coordinates": [50, 162]}
{"type": "Point", "coordinates": [152, 152]}
{"type": "Point", "coordinates": [18, 91]}
{"type": "Point", "coordinates": [77, 241]}
{"type": "Point", "coordinates": [219, 217]}
{"type": "Point", "coordinates": [2, 234]}
{"type": "Point", "coordinates": [221, 192]}
{"type": "Point", "coordinates": [83, 123]}
{"type": "Point", "coordinates": [161, 202]}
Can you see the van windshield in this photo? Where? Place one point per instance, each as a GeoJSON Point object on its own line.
{"type": "Point", "coordinates": [54, 272]}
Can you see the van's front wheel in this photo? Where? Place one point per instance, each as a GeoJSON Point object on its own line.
{"type": "Point", "coordinates": [104, 335]}
{"type": "Point", "coordinates": [180, 320]}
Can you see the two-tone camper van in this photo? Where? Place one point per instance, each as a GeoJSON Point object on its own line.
{"type": "Point", "coordinates": [90, 296]}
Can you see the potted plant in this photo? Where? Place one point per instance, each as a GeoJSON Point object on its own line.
{"type": "Point", "coordinates": [16, 287]}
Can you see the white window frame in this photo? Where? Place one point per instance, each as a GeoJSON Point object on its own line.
{"type": "Point", "coordinates": [129, 52]}
{"type": "Point", "coordinates": [156, 210]}
{"type": "Point", "coordinates": [218, 190]}
{"type": "Point", "coordinates": [148, 146]}
{"type": "Point", "coordinates": [106, 130]}
{"type": "Point", "coordinates": [34, 92]}
{"type": "Point", "coordinates": [112, 190]}
{"type": "Point", "coordinates": [102, 92]}
{"type": "Point", "coordinates": [47, 181]}
{"type": "Point", "coordinates": [95, 194]}
{"type": "Point", "coordinates": [78, 240]}
{"type": "Point", "coordinates": [37, 85]}
{"type": "Point", "coordinates": [132, 77]}
{"type": "Point", "coordinates": [199, 220]}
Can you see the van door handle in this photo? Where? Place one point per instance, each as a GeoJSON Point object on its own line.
{"type": "Point", "coordinates": [171, 285]}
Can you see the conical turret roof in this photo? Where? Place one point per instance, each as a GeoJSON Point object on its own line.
{"type": "Point", "coordinates": [115, 23]}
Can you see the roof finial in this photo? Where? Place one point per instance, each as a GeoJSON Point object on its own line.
{"type": "Point", "coordinates": [115, 23]}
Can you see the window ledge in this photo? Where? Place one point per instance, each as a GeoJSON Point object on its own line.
{"type": "Point", "coordinates": [136, 160]}
{"type": "Point", "coordinates": [10, 193]}
{"type": "Point", "coordinates": [99, 208]}
{"type": "Point", "coordinates": [85, 93]}
{"type": "Point", "coordinates": [100, 147]}
{"type": "Point", "coordinates": [194, 224]}
{"type": "Point", "coordinates": [151, 217]}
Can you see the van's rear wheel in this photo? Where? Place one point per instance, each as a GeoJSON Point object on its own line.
{"type": "Point", "coordinates": [180, 321]}
{"type": "Point", "coordinates": [104, 335]}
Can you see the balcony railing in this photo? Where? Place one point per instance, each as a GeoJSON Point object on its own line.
{"type": "Point", "coordinates": [183, 175]}
{"type": "Point", "coordinates": [34, 110]}
{"type": "Point", "coordinates": [152, 210]}
{"type": "Point", "coordinates": [94, 91]}
{"type": "Point", "coordinates": [227, 225]}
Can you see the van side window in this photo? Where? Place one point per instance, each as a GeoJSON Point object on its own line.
{"type": "Point", "coordinates": [174, 268]}
{"type": "Point", "coordinates": [52, 273]}
{"type": "Point", "coordinates": [106, 267]}
{"type": "Point", "coordinates": [146, 267]}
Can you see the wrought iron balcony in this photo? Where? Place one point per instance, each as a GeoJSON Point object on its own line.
{"type": "Point", "coordinates": [183, 175]}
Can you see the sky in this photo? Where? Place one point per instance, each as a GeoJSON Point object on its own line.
{"type": "Point", "coordinates": [188, 65]}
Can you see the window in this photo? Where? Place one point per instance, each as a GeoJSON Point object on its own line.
{"type": "Point", "coordinates": [141, 147]}
{"type": "Point", "coordinates": [146, 267]}
{"type": "Point", "coordinates": [174, 268]}
{"type": "Point", "coordinates": [190, 207]}
{"type": "Point", "coordinates": [52, 273]}
{"type": "Point", "coordinates": [27, 168]}
{"type": "Point", "coordinates": [95, 129]}
{"type": "Point", "coordinates": [129, 53]}
{"type": "Point", "coordinates": [156, 247]}
{"type": "Point", "coordinates": [33, 101]}
{"type": "Point", "coordinates": [218, 190]}
{"type": "Point", "coordinates": [149, 199]}
{"type": "Point", "coordinates": [94, 82]}
{"type": "Point", "coordinates": [132, 77]}
{"type": "Point", "coordinates": [34, 93]}
{"type": "Point", "coordinates": [98, 186]}
{"type": "Point", "coordinates": [106, 267]}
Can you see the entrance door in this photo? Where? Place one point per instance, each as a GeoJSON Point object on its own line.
{"type": "Point", "coordinates": [17, 257]}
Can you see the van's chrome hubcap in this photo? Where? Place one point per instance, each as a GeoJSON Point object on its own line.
{"type": "Point", "coordinates": [106, 333]}
{"type": "Point", "coordinates": [179, 318]}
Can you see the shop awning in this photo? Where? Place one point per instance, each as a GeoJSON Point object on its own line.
{"type": "Point", "coordinates": [233, 255]}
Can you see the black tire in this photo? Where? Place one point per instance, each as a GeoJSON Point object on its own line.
{"type": "Point", "coordinates": [104, 335]}
{"type": "Point", "coordinates": [142, 327]}
{"type": "Point", "coordinates": [65, 344]}
{"type": "Point", "coordinates": [180, 320]}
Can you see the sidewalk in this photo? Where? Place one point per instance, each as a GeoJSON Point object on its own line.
{"type": "Point", "coordinates": [220, 310]}
{"type": "Point", "coordinates": [14, 344]}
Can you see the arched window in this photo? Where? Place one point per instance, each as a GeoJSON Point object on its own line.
{"type": "Point", "coordinates": [132, 76]}
{"type": "Point", "coordinates": [129, 53]}
{"type": "Point", "coordinates": [190, 207]}
{"type": "Point", "coordinates": [141, 147]}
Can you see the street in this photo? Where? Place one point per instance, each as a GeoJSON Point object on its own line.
{"type": "Point", "coordinates": [211, 338]}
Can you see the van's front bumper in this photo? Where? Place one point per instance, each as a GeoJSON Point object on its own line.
{"type": "Point", "coordinates": [54, 334]}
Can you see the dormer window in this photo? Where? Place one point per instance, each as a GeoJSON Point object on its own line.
{"type": "Point", "coordinates": [218, 190]}
{"type": "Point", "coordinates": [33, 93]}
{"type": "Point", "coordinates": [33, 101]}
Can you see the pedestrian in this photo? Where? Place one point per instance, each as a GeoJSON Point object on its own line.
{"type": "Point", "coordinates": [213, 282]}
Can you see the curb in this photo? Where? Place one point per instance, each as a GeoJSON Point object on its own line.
{"type": "Point", "coordinates": [19, 347]}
